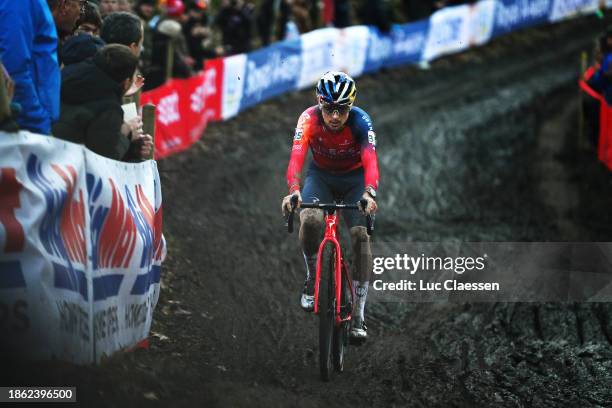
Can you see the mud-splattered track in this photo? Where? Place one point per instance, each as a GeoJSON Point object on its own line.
{"type": "Point", "coordinates": [465, 152]}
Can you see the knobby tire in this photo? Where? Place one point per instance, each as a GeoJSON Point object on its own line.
{"type": "Point", "coordinates": [341, 331]}
{"type": "Point", "coordinates": [326, 311]}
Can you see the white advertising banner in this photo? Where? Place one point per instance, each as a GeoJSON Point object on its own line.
{"type": "Point", "coordinates": [317, 55]}
{"type": "Point", "coordinates": [562, 9]}
{"type": "Point", "coordinates": [350, 50]}
{"type": "Point", "coordinates": [80, 249]}
{"type": "Point", "coordinates": [234, 71]}
{"type": "Point", "coordinates": [482, 19]}
{"type": "Point", "coordinates": [449, 32]}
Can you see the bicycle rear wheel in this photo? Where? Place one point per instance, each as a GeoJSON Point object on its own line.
{"type": "Point", "coordinates": [326, 311]}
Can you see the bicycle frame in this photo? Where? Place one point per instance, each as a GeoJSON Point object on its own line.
{"type": "Point", "coordinates": [332, 219]}
{"type": "Point", "coordinates": [331, 236]}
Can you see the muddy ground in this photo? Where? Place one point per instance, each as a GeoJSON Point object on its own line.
{"type": "Point", "coordinates": [481, 147]}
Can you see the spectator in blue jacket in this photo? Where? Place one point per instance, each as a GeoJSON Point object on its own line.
{"type": "Point", "coordinates": [28, 50]}
{"type": "Point", "coordinates": [602, 80]}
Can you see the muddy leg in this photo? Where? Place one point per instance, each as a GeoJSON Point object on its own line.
{"type": "Point", "coordinates": [361, 267]}
{"type": "Point", "coordinates": [311, 230]}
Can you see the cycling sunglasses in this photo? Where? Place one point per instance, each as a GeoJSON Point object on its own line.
{"type": "Point", "coordinates": [329, 108]}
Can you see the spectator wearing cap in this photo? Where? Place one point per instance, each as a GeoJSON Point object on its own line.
{"type": "Point", "coordinates": [168, 29]}
{"type": "Point", "coordinates": [176, 11]}
{"type": "Point", "coordinates": [80, 47]}
{"type": "Point", "coordinates": [28, 49]}
{"type": "Point", "coordinates": [91, 106]}
{"type": "Point", "coordinates": [235, 21]}
{"type": "Point", "coordinates": [90, 21]}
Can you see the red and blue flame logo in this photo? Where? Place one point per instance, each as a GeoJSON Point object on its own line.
{"type": "Point", "coordinates": [62, 228]}
{"type": "Point", "coordinates": [115, 231]}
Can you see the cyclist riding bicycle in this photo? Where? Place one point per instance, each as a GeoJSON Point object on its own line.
{"type": "Point", "coordinates": [345, 167]}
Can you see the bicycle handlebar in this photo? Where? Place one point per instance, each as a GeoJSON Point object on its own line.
{"type": "Point", "coordinates": [362, 203]}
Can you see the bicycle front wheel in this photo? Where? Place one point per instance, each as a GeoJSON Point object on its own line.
{"type": "Point", "coordinates": [326, 310]}
{"type": "Point", "coordinates": [341, 332]}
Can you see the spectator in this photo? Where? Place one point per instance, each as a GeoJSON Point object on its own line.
{"type": "Point", "coordinates": [284, 16]}
{"type": "Point", "coordinates": [175, 11]}
{"type": "Point", "coordinates": [125, 5]}
{"type": "Point", "coordinates": [602, 80]}
{"type": "Point", "coordinates": [146, 9]}
{"type": "Point", "coordinates": [28, 49]}
{"type": "Point", "coordinates": [108, 6]}
{"type": "Point", "coordinates": [235, 20]}
{"type": "Point", "coordinates": [91, 106]}
{"type": "Point", "coordinates": [197, 33]}
{"type": "Point", "coordinates": [315, 13]}
{"type": "Point", "coordinates": [300, 15]}
{"type": "Point", "coordinates": [65, 15]}
{"type": "Point", "coordinates": [375, 13]}
{"type": "Point", "coordinates": [294, 19]}
{"type": "Point", "coordinates": [123, 28]}
{"type": "Point", "coordinates": [168, 29]}
{"type": "Point", "coordinates": [342, 13]}
{"type": "Point", "coordinates": [80, 47]}
{"type": "Point", "coordinates": [265, 20]}
{"type": "Point", "coordinates": [90, 21]}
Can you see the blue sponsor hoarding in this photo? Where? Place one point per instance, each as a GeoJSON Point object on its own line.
{"type": "Point", "coordinates": [408, 42]}
{"type": "Point", "coordinates": [511, 15]}
{"type": "Point", "coordinates": [271, 71]}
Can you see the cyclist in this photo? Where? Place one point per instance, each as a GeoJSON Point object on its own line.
{"type": "Point", "coordinates": [344, 166]}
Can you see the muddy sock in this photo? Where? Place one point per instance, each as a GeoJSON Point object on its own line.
{"type": "Point", "coordinates": [311, 265]}
{"type": "Point", "coordinates": [361, 293]}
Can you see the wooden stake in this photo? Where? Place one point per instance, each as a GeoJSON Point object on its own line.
{"type": "Point", "coordinates": [169, 59]}
{"type": "Point", "coordinates": [148, 123]}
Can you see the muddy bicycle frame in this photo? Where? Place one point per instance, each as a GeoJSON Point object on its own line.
{"type": "Point", "coordinates": [331, 236]}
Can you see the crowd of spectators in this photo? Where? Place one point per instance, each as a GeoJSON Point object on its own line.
{"type": "Point", "coordinates": [73, 61]}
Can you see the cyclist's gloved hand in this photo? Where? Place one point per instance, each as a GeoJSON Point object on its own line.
{"type": "Point", "coordinates": [371, 207]}
{"type": "Point", "coordinates": [286, 205]}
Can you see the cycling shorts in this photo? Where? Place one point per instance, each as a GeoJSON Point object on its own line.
{"type": "Point", "coordinates": [323, 186]}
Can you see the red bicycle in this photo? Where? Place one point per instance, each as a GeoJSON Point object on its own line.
{"type": "Point", "coordinates": [333, 302]}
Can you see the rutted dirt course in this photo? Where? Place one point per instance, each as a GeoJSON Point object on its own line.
{"type": "Point", "coordinates": [481, 147]}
